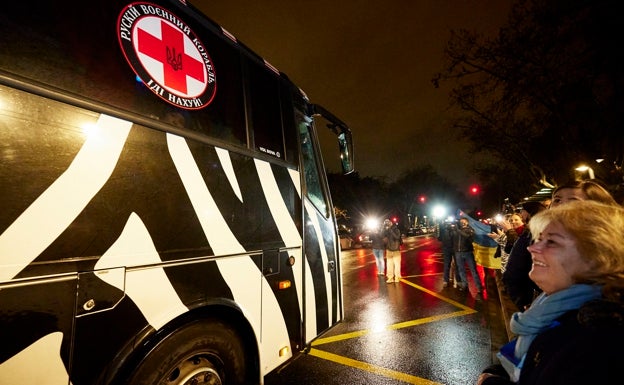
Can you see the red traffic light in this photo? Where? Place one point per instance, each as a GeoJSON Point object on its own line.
{"type": "Point", "coordinates": [422, 199]}
{"type": "Point", "coordinates": [474, 190]}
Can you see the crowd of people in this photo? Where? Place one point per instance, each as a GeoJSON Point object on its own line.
{"type": "Point", "coordinates": [562, 265]}
{"type": "Point", "coordinates": [565, 274]}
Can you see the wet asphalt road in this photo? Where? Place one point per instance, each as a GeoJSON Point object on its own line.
{"type": "Point", "coordinates": [411, 332]}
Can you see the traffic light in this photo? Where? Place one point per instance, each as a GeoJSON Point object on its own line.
{"type": "Point", "coordinates": [395, 220]}
{"type": "Point", "coordinates": [422, 199]}
{"type": "Point", "coordinates": [474, 190]}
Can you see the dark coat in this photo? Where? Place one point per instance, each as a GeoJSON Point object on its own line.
{"type": "Point", "coordinates": [462, 238]}
{"type": "Point", "coordinates": [393, 235]}
{"type": "Point", "coordinates": [512, 237]}
{"type": "Point", "coordinates": [587, 347]}
{"type": "Point", "coordinates": [377, 241]}
{"type": "Point", "coordinates": [444, 236]}
{"type": "Point", "coordinates": [520, 288]}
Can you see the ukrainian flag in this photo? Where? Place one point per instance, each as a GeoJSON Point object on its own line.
{"type": "Point", "coordinates": [484, 246]}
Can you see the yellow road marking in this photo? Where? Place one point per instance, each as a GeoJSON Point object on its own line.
{"type": "Point", "coordinates": [371, 368]}
{"type": "Point", "coordinates": [436, 318]}
{"type": "Point", "coordinates": [378, 369]}
{"type": "Point", "coordinates": [433, 293]}
{"type": "Point", "coordinates": [400, 325]}
{"type": "Point", "coordinates": [345, 336]}
{"type": "Point", "coordinates": [340, 337]}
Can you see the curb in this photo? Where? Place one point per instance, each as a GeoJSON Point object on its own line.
{"type": "Point", "coordinates": [508, 307]}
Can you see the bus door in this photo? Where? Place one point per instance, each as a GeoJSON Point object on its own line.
{"type": "Point", "coordinates": [323, 296]}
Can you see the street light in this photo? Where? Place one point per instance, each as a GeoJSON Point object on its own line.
{"type": "Point", "coordinates": [584, 168]}
{"type": "Point", "coordinates": [439, 211]}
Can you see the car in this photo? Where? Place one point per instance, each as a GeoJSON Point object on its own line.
{"type": "Point", "coordinates": [346, 237]}
{"type": "Point", "coordinates": [361, 232]}
{"type": "Point", "coordinates": [363, 240]}
{"type": "Point", "coordinates": [346, 242]}
{"type": "Point", "coordinates": [412, 231]}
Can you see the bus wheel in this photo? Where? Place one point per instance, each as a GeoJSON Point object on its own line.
{"type": "Point", "coordinates": [202, 353]}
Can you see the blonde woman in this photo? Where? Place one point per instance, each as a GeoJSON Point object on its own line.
{"type": "Point", "coordinates": [573, 333]}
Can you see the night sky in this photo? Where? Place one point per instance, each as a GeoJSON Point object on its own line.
{"type": "Point", "coordinates": [371, 64]}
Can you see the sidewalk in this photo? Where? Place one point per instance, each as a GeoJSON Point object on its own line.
{"type": "Point", "coordinates": [508, 307]}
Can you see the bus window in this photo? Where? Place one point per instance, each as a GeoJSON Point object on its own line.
{"type": "Point", "coordinates": [324, 118]}
{"type": "Point", "coordinates": [288, 121]}
{"type": "Point", "coordinates": [314, 190]}
{"type": "Point", "coordinates": [265, 111]}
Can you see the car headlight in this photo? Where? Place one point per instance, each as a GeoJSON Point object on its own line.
{"type": "Point", "coordinates": [371, 223]}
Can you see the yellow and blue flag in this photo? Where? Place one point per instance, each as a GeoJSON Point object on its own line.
{"type": "Point", "coordinates": [484, 246]}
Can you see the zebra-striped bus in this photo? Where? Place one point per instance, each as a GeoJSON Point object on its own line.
{"type": "Point", "coordinates": [165, 217]}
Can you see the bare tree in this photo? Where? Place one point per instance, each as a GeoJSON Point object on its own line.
{"type": "Point", "coordinates": [545, 94]}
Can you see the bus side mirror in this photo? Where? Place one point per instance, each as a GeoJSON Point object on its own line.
{"type": "Point", "coordinates": [345, 145]}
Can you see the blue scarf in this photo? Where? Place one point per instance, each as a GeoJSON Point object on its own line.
{"type": "Point", "coordinates": [541, 316]}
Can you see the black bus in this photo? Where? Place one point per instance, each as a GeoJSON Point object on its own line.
{"type": "Point", "coordinates": [165, 215]}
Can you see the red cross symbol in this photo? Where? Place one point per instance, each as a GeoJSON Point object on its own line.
{"type": "Point", "coordinates": [169, 51]}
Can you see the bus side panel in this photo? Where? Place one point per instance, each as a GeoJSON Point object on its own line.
{"type": "Point", "coordinates": [282, 266]}
{"type": "Point", "coordinates": [147, 211]}
{"type": "Point", "coordinates": [36, 319]}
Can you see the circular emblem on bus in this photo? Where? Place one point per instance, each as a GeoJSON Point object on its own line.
{"type": "Point", "coordinates": [166, 55]}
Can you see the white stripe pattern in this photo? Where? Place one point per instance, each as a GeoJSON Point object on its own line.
{"type": "Point", "coordinates": [149, 288]}
{"type": "Point", "coordinates": [241, 274]}
{"type": "Point", "coordinates": [52, 212]}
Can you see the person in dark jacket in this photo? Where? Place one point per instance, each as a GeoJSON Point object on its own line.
{"type": "Point", "coordinates": [573, 333]}
{"type": "Point", "coordinates": [462, 237]}
{"type": "Point", "coordinates": [392, 235]}
{"type": "Point", "coordinates": [444, 236]}
{"type": "Point", "coordinates": [379, 249]}
{"type": "Point", "coordinates": [518, 286]}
